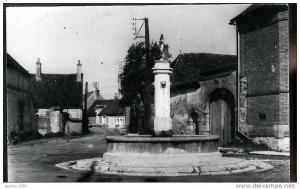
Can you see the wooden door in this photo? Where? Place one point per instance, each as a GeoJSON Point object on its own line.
{"type": "Point", "coordinates": [220, 121]}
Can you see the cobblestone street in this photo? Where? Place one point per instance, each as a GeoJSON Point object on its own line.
{"type": "Point", "coordinates": [34, 161]}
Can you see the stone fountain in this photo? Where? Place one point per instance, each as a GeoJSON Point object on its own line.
{"type": "Point", "coordinates": [173, 155]}
{"type": "Point", "coordinates": [144, 153]}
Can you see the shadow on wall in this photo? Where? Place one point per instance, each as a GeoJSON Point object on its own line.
{"type": "Point", "coordinates": [179, 115]}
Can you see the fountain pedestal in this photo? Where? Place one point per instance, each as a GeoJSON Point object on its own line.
{"type": "Point", "coordinates": [162, 120]}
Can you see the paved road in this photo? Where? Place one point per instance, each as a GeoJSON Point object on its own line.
{"type": "Point", "coordinates": [35, 161]}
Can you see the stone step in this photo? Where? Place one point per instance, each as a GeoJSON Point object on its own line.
{"type": "Point", "coordinates": [231, 150]}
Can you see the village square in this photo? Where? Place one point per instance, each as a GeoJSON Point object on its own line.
{"type": "Point", "coordinates": [160, 105]}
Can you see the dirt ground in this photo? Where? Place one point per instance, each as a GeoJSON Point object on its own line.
{"type": "Point", "coordinates": [34, 161]}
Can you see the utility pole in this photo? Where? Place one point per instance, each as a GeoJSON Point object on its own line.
{"type": "Point", "coordinates": [96, 85]}
{"type": "Point", "coordinates": [147, 113]}
{"type": "Point", "coordinates": [84, 113]}
{"type": "Point", "coordinates": [119, 78]}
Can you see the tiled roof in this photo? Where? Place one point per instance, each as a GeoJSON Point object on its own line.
{"type": "Point", "coordinates": [112, 108]}
{"type": "Point", "coordinates": [91, 97]}
{"type": "Point", "coordinates": [189, 68]}
{"type": "Point", "coordinates": [57, 90]}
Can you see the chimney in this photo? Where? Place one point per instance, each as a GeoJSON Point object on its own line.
{"type": "Point", "coordinates": [79, 70]}
{"type": "Point", "coordinates": [97, 92]}
{"type": "Point", "coordinates": [38, 70]}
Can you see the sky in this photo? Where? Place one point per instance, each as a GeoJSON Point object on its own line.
{"type": "Point", "coordinates": [99, 36]}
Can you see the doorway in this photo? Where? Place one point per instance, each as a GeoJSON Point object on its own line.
{"type": "Point", "coordinates": [220, 121]}
{"type": "Point", "coordinates": [222, 118]}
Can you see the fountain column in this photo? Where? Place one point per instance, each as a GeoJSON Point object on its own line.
{"type": "Point", "coordinates": [162, 71]}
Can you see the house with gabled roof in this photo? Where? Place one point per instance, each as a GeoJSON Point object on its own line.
{"type": "Point", "coordinates": [55, 95]}
{"type": "Point", "coordinates": [107, 113]}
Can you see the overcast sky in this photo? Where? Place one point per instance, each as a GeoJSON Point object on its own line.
{"type": "Point", "coordinates": [60, 36]}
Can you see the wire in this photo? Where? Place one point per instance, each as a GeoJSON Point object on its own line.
{"type": "Point", "coordinates": [140, 28]}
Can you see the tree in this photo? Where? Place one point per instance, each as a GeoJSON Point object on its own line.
{"type": "Point", "coordinates": [133, 79]}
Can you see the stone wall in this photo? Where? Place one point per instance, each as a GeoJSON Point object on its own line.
{"type": "Point", "coordinates": [55, 121]}
{"type": "Point", "coordinates": [180, 114]}
{"type": "Point", "coordinates": [73, 127]}
{"type": "Point", "coordinates": [74, 113]}
{"type": "Point", "coordinates": [43, 125]}
{"type": "Point", "coordinates": [184, 103]}
{"type": "Point", "coordinates": [243, 106]}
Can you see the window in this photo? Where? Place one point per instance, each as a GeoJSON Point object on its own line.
{"type": "Point", "coordinates": [119, 121]}
{"type": "Point", "coordinates": [262, 116]}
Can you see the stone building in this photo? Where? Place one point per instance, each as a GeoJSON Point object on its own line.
{"type": "Point", "coordinates": [263, 55]}
{"type": "Point", "coordinates": [107, 113]}
{"type": "Point", "coordinates": [54, 94]}
{"type": "Point", "coordinates": [20, 111]}
{"type": "Point", "coordinates": [203, 95]}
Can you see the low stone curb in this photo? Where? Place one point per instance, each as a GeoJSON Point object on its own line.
{"type": "Point", "coordinates": [270, 153]}
{"type": "Point", "coordinates": [236, 165]}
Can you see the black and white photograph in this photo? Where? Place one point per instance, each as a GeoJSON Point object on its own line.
{"type": "Point", "coordinates": [201, 93]}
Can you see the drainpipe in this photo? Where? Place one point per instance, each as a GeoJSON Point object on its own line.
{"type": "Point", "coordinates": [237, 79]}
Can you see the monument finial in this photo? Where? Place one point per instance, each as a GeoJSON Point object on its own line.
{"type": "Point", "coordinates": [164, 54]}
{"type": "Point", "coordinates": [161, 43]}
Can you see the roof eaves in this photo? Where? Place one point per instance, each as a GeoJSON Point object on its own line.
{"type": "Point", "coordinates": [250, 9]}
{"type": "Point", "coordinates": [17, 65]}
{"type": "Point", "coordinates": [243, 13]}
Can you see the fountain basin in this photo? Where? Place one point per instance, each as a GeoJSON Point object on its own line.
{"type": "Point", "coordinates": [177, 144]}
{"type": "Point", "coordinates": [147, 151]}
{"type": "Point", "coordinates": [164, 156]}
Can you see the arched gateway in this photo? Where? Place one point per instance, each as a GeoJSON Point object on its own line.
{"type": "Point", "coordinates": [222, 119]}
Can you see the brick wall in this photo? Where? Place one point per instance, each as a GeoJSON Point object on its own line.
{"type": "Point", "coordinates": [267, 104]}
{"type": "Point", "coordinates": [264, 62]}
{"type": "Point", "coordinates": [259, 59]}
{"type": "Point", "coordinates": [283, 51]}
{"type": "Point", "coordinates": [284, 107]}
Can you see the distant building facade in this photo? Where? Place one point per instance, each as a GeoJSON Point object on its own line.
{"type": "Point", "coordinates": [263, 46]}
{"type": "Point", "coordinates": [20, 110]}
{"type": "Point", "coordinates": [203, 95]}
{"type": "Point", "coordinates": [57, 95]}
{"type": "Point", "coordinates": [107, 113]}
